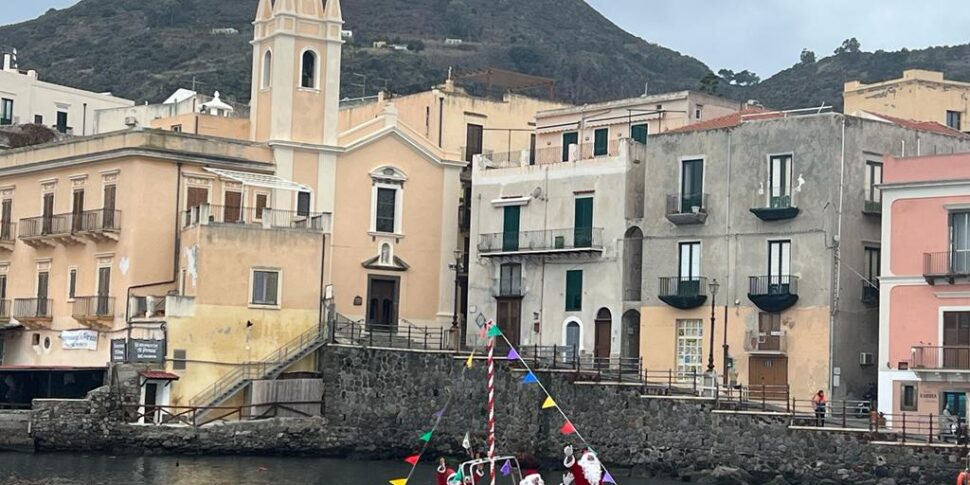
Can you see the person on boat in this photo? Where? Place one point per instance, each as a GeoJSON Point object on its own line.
{"type": "Point", "coordinates": [585, 470]}
{"type": "Point", "coordinates": [445, 475]}
{"type": "Point", "coordinates": [530, 469]}
{"type": "Point", "coordinates": [964, 477]}
{"type": "Point", "coordinates": [818, 402]}
{"type": "Point", "coordinates": [478, 472]}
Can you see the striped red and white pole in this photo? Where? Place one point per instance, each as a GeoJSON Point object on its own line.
{"type": "Point", "coordinates": [491, 407]}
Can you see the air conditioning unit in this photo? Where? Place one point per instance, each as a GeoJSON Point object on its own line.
{"type": "Point", "coordinates": [131, 121]}
{"type": "Point", "coordinates": [866, 358]}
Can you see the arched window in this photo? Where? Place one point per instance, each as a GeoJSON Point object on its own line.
{"type": "Point", "coordinates": [267, 69]}
{"type": "Point", "coordinates": [308, 77]}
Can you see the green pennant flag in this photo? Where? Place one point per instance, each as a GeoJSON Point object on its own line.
{"type": "Point", "coordinates": [427, 436]}
{"type": "Point", "coordinates": [494, 331]}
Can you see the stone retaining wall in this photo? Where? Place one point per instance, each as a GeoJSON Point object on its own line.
{"type": "Point", "coordinates": [377, 404]}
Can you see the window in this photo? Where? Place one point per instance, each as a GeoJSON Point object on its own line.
{"type": "Point", "coordinates": [108, 206]}
{"type": "Point", "coordinates": [474, 136]}
{"type": "Point", "coordinates": [953, 119]}
{"type": "Point", "coordinates": [267, 69]}
{"type": "Point", "coordinates": [583, 222]}
{"type": "Point", "coordinates": [873, 177]}
{"type": "Point", "coordinates": [38, 120]}
{"type": "Point", "coordinates": [601, 142]}
{"type": "Point", "coordinates": [698, 111]}
{"type": "Point", "coordinates": [873, 269]}
{"type": "Point", "coordinates": [265, 287]}
{"type": "Point", "coordinates": [779, 259]}
{"type": "Point", "coordinates": [779, 181]}
{"type": "Point", "coordinates": [178, 359]}
{"type": "Point", "coordinates": [510, 280]}
{"type": "Point", "coordinates": [196, 196]}
{"type": "Point", "coordinates": [303, 204]}
{"type": "Point", "coordinates": [6, 111]}
{"type": "Point", "coordinates": [959, 242]}
{"type": "Point", "coordinates": [639, 133]}
{"type": "Point", "coordinates": [308, 72]}
{"type": "Point", "coordinates": [47, 215]}
{"type": "Point", "coordinates": [72, 284]}
{"type": "Point", "coordinates": [177, 128]}
{"type": "Point", "coordinates": [574, 290]}
{"type": "Point", "coordinates": [62, 122]}
{"type": "Point", "coordinates": [510, 228]}
{"type": "Point", "coordinates": [77, 210]}
{"type": "Point", "coordinates": [3, 289]}
{"type": "Point", "coordinates": [690, 344]}
{"type": "Point", "coordinates": [386, 208]}
{"type": "Point", "coordinates": [261, 202]}
{"type": "Point", "coordinates": [6, 215]}
{"type": "Point", "coordinates": [690, 261]}
{"type": "Point", "coordinates": [35, 339]}
{"type": "Point", "coordinates": [907, 400]}
{"type": "Point", "coordinates": [568, 138]}
{"type": "Point", "coordinates": [691, 185]}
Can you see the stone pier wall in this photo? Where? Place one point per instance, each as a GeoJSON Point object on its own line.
{"type": "Point", "coordinates": [378, 403]}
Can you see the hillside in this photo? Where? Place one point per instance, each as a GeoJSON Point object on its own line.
{"type": "Point", "coordinates": [144, 49]}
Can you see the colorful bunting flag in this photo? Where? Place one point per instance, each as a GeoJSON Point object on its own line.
{"type": "Point", "coordinates": [607, 478]}
{"type": "Point", "coordinates": [549, 403]}
{"type": "Point", "coordinates": [494, 331]}
{"type": "Point", "coordinates": [513, 355]}
{"type": "Point", "coordinates": [399, 481]}
{"type": "Point", "coordinates": [439, 413]}
{"type": "Point", "coordinates": [466, 443]}
{"type": "Point", "coordinates": [427, 436]}
{"type": "Point", "coordinates": [483, 332]}
{"type": "Point", "coordinates": [506, 468]}
{"type": "Point", "coordinates": [459, 476]}
{"type": "Point", "coordinates": [530, 378]}
{"type": "Point", "coordinates": [470, 359]}
{"type": "Point", "coordinates": [568, 428]}
{"type": "Point", "coordinates": [412, 460]}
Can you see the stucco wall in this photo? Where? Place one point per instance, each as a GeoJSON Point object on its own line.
{"type": "Point", "coordinates": [918, 95]}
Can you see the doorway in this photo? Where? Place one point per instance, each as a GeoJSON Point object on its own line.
{"type": "Point", "coordinates": [604, 330]}
{"type": "Point", "coordinates": [233, 207]}
{"type": "Point", "coordinates": [956, 401]}
{"type": "Point", "coordinates": [382, 304]}
{"type": "Point", "coordinates": [509, 319]}
{"type": "Point", "coordinates": [151, 402]}
{"type": "Point", "coordinates": [766, 376]}
{"type": "Point", "coordinates": [631, 334]}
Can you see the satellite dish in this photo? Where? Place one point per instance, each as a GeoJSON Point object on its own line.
{"type": "Point", "coordinates": [536, 192]}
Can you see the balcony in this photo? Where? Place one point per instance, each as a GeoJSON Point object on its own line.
{"type": "Point", "coordinates": [257, 217]}
{"type": "Point", "coordinates": [549, 242]}
{"type": "Point", "coordinates": [552, 155]}
{"type": "Point", "coordinates": [773, 293]}
{"type": "Point", "coordinates": [48, 230]}
{"type": "Point", "coordinates": [685, 209]}
{"type": "Point", "coordinates": [98, 224]}
{"type": "Point", "coordinates": [159, 307]}
{"type": "Point", "coordinates": [953, 358]}
{"type": "Point", "coordinates": [773, 342]}
{"type": "Point", "coordinates": [94, 311]}
{"type": "Point", "coordinates": [4, 311]}
{"type": "Point", "coordinates": [8, 234]}
{"type": "Point", "coordinates": [872, 207]}
{"type": "Point", "coordinates": [870, 293]}
{"type": "Point", "coordinates": [33, 313]}
{"type": "Point", "coordinates": [683, 292]}
{"type": "Point", "coordinates": [770, 208]}
{"type": "Point", "coordinates": [947, 267]}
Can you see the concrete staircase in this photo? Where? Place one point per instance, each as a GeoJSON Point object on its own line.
{"type": "Point", "coordinates": [269, 368]}
{"type": "Point", "coordinates": [15, 431]}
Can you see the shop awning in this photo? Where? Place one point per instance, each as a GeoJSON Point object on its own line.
{"type": "Point", "coordinates": [159, 375]}
{"type": "Point", "coordinates": [10, 326]}
{"type": "Point", "coordinates": [259, 180]}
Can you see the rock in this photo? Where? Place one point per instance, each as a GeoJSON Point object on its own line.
{"type": "Point", "coordinates": [887, 481]}
{"type": "Point", "coordinates": [778, 480]}
{"type": "Point", "coordinates": [723, 475]}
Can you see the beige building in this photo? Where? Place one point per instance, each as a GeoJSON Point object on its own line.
{"type": "Point", "coordinates": [24, 98]}
{"type": "Point", "coordinates": [918, 95]}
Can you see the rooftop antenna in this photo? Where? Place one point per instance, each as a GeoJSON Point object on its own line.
{"type": "Point", "coordinates": [646, 88]}
{"type": "Point", "coordinates": [194, 82]}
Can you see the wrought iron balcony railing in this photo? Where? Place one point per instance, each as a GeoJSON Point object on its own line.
{"type": "Point", "coordinates": [683, 292]}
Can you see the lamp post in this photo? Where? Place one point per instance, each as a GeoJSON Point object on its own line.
{"type": "Point", "coordinates": [725, 346]}
{"type": "Point", "coordinates": [712, 286]}
{"type": "Point", "coordinates": [458, 268]}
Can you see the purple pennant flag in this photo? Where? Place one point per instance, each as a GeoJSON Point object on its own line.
{"type": "Point", "coordinates": [439, 414]}
{"type": "Point", "coordinates": [607, 478]}
{"type": "Point", "coordinates": [513, 355]}
{"type": "Point", "coordinates": [506, 468]}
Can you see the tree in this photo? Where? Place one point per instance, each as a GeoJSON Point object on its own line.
{"type": "Point", "coordinates": [746, 78]}
{"type": "Point", "coordinates": [416, 45]}
{"type": "Point", "coordinates": [726, 74]}
{"type": "Point", "coordinates": [808, 57]}
{"type": "Point", "coordinates": [709, 83]}
{"type": "Point", "coordinates": [849, 46]}
{"type": "Point", "coordinates": [459, 18]}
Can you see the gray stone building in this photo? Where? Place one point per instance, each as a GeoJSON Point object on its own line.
{"type": "Point", "coordinates": [782, 210]}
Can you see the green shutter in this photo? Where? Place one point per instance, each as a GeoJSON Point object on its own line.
{"type": "Point", "coordinates": [601, 139]}
{"type": "Point", "coordinates": [570, 138]}
{"type": "Point", "coordinates": [639, 133]}
{"type": "Point", "coordinates": [574, 290]}
{"type": "Point", "coordinates": [510, 229]}
{"type": "Point", "coordinates": [583, 223]}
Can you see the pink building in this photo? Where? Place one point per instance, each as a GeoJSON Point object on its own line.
{"type": "Point", "coordinates": [924, 338]}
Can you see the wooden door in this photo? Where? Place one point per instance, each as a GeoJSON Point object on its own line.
{"type": "Point", "coordinates": [233, 207]}
{"type": "Point", "coordinates": [43, 279]}
{"type": "Point", "coordinates": [474, 135]}
{"type": "Point", "coordinates": [196, 196]}
{"type": "Point", "coordinates": [48, 214]}
{"type": "Point", "coordinates": [77, 211]}
{"type": "Point", "coordinates": [510, 319]}
{"type": "Point", "coordinates": [5, 215]}
{"type": "Point", "coordinates": [583, 222]}
{"type": "Point", "coordinates": [104, 290]}
{"type": "Point", "coordinates": [108, 216]}
{"type": "Point", "coordinates": [768, 376]}
{"type": "Point", "coordinates": [382, 305]}
{"type": "Point", "coordinates": [604, 330]}
{"type": "Point", "coordinates": [151, 402]}
{"type": "Point", "coordinates": [956, 340]}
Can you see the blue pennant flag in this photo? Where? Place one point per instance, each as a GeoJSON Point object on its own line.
{"type": "Point", "coordinates": [530, 378]}
{"type": "Point", "coordinates": [506, 468]}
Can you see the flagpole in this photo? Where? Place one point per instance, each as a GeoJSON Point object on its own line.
{"type": "Point", "coordinates": [491, 403]}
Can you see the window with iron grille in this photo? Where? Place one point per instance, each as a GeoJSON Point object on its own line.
{"type": "Point", "coordinates": [690, 347]}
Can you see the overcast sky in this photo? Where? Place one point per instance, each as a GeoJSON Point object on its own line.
{"type": "Point", "coordinates": [764, 36]}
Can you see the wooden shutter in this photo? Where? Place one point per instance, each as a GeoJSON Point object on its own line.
{"type": "Point", "coordinates": [574, 290]}
{"type": "Point", "coordinates": [583, 222]}
{"type": "Point", "coordinates": [110, 192]}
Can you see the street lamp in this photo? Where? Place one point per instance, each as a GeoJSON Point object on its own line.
{"type": "Point", "coordinates": [457, 267]}
{"type": "Point", "coordinates": [712, 286]}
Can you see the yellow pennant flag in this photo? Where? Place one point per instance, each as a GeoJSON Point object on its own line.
{"type": "Point", "coordinates": [549, 403]}
{"type": "Point", "coordinates": [469, 363]}
{"type": "Point", "coordinates": [400, 481]}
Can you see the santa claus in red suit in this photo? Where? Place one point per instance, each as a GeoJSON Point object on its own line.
{"type": "Point", "coordinates": [530, 470]}
{"type": "Point", "coordinates": [585, 470]}
{"type": "Point", "coordinates": [446, 476]}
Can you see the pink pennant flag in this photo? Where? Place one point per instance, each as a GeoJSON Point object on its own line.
{"type": "Point", "coordinates": [483, 332]}
{"type": "Point", "coordinates": [568, 428]}
{"type": "Point", "coordinates": [413, 459]}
